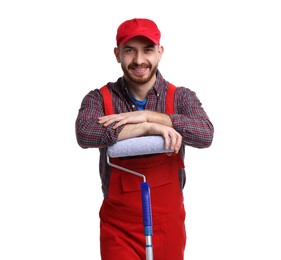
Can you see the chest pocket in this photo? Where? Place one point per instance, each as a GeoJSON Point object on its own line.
{"type": "Point", "coordinates": [159, 170]}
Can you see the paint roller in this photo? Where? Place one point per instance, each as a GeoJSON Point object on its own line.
{"type": "Point", "coordinates": [143, 145]}
{"type": "Point", "coordinates": [138, 146]}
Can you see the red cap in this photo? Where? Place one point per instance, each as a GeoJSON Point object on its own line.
{"type": "Point", "coordinates": [138, 27]}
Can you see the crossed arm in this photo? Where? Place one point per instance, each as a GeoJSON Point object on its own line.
{"type": "Point", "coordinates": [139, 123]}
{"type": "Point", "coordinates": [190, 125]}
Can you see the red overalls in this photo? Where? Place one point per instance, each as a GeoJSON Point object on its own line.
{"type": "Point", "coordinates": [121, 227]}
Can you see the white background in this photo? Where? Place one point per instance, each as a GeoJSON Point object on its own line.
{"type": "Point", "coordinates": [54, 52]}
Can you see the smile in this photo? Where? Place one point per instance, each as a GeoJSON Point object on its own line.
{"type": "Point", "coordinates": [139, 69]}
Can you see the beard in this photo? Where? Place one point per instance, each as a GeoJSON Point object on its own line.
{"type": "Point", "coordinates": [139, 79]}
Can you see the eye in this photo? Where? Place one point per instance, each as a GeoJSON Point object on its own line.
{"type": "Point", "coordinates": [149, 50]}
{"type": "Point", "coordinates": [129, 50]}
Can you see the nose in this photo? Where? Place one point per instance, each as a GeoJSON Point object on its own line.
{"type": "Point", "coordinates": [139, 58]}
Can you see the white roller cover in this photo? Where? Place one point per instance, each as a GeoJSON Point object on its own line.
{"type": "Point", "coordinates": [138, 146]}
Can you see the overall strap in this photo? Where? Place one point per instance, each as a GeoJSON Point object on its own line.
{"type": "Point", "coordinates": [170, 109]}
{"type": "Point", "coordinates": [108, 108]}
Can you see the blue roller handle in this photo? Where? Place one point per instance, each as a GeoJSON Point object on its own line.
{"type": "Point", "coordinates": [146, 208]}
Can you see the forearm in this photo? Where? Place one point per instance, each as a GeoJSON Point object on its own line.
{"type": "Point", "coordinates": [140, 123]}
{"type": "Point", "coordinates": [191, 120]}
{"type": "Point", "coordinates": [196, 131]}
{"type": "Point", "coordinates": [133, 130]}
{"type": "Point", "coordinates": [171, 137]}
{"type": "Point", "coordinates": [135, 117]}
{"type": "Point", "coordinates": [192, 124]}
{"type": "Point", "coordinates": [141, 129]}
{"type": "Point", "coordinates": [89, 132]}
{"type": "Point", "coordinates": [159, 118]}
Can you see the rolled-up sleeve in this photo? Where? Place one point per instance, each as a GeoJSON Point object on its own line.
{"type": "Point", "coordinates": [89, 133]}
{"type": "Point", "coordinates": [191, 121]}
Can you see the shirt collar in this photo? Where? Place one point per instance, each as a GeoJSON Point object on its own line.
{"type": "Point", "coordinates": [160, 83]}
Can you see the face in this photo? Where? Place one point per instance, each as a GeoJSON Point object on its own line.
{"type": "Point", "coordinates": [139, 59]}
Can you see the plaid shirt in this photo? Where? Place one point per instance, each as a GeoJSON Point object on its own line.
{"type": "Point", "coordinates": [190, 120]}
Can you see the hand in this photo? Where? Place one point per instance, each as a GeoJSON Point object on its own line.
{"type": "Point", "coordinates": [171, 137]}
{"type": "Point", "coordinates": [134, 117]}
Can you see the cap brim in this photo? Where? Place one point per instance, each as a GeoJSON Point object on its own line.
{"type": "Point", "coordinates": [129, 37]}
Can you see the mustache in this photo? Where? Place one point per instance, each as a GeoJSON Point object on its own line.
{"type": "Point", "coordinates": [143, 65]}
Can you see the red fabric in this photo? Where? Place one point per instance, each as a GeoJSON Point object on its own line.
{"type": "Point", "coordinates": [170, 95]}
{"type": "Point", "coordinates": [122, 229]}
{"type": "Point", "coordinates": [108, 108]}
{"type": "Point", "coordinates": [137, 27]}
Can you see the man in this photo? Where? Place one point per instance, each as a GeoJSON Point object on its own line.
{"type": "Point", "coordinates": [140, 108]}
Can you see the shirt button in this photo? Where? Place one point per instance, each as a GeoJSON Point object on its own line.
{"type": "Point", "coordinates": [133, 106]}
{"type": "Point", "coordinates": [158, 95]}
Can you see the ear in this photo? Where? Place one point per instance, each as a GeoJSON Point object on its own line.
{"type": "Point", "coordinates": [160, 52]}
{"type": "Point", "coordinates": [117, 54]}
